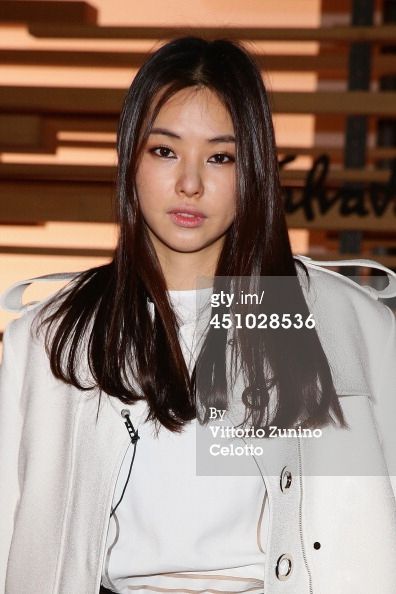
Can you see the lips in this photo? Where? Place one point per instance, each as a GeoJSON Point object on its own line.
{"type": "Point", "coordinates": [187, 211]}
{"type": "Point", "coordinates": [186, 218]}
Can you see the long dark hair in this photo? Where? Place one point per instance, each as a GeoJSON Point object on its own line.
{"type": "Point", "coordinates": [103, 315]}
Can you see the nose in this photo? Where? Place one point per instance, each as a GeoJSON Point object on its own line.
{"type": "Point", "coordinates": [189, 181]}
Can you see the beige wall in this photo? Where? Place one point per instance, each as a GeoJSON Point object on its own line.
{"type": "Point", "coordinates": [289, 129]}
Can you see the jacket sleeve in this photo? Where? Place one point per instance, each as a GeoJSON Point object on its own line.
{"type": "Point", "coordinates": [10, 431]}
{"type": "Point", "coordinates": [383, 373]}
{"type": "Point", "coordinates": [381, 356]}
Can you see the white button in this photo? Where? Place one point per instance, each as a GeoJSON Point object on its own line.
{"type": "Point", "coordinates": [285, 479]}
{"type": "Point", "coordinates": [284, 567]}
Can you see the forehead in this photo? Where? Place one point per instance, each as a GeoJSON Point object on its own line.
{"type": "Point", "coordinates": [194, 107]}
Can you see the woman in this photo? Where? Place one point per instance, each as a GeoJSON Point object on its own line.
{"type": "Point", "coordinates": [88, 505]}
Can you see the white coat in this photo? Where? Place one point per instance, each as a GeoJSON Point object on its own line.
{"type": "Point", "coordinates": [332, 504]}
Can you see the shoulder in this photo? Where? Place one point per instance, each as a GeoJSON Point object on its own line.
{"type": "Point", "coordinates": [343, 286]}
{"type": "Point", "coordinates": [356, 327]}
{"type": "Point", "coordinates": [345, 306]}
{"type": "Point", "coordinates": [11, 298]}
{"type": "Point", "coordinates": [17, 331]}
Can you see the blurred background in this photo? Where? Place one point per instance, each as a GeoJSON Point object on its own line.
{"type": "Point", "coordinates": [65, 65]}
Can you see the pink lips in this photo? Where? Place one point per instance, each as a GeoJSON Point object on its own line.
{"type": "Point", "coordinates": [186, 217]}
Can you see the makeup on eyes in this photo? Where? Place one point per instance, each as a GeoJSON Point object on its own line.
{"type": "Point", "coordinates": [162, 146]}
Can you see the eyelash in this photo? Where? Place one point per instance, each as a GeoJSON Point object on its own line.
{"type": "Point", "coordinates": [162, 146]}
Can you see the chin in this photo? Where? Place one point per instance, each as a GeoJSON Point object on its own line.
{"type": "Point", "coordinates": [193, 244]}
{"type": "Point", "coordinates": [186, 248]}
{"type": "Point", "coordinates": [185, 244]}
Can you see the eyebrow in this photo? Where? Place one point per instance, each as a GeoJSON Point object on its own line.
{"type": "Point", "coordinates": [166, 132]}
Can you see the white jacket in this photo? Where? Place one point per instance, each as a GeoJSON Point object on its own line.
{"type": "Point", "coordinates": [327, 534]}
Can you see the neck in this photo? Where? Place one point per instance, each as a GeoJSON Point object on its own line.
{"type": "Point", "coordinates": [183, 269]}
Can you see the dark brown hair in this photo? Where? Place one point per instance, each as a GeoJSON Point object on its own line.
{"type": "Point", "coordinates": [103, 314]}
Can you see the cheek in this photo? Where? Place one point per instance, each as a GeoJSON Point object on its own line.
{"type": "Point", "coordinates": [146, 189]}
{"type": "Point", "coordinates": [227, 206]}
{"type": "Point", "coordinates": [153, 185]}
{"type": "Point", "coordinates": [143, 177]}
{"type": "Point", "coordinates": [221, 187]}
{"type": "Point", "coordinates": [229, 212]}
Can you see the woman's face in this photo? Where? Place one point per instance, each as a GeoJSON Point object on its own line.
{"type": "Point", "coordinates": [188, 163]}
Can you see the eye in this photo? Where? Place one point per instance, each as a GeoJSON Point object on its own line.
{"type": "Point", "coordinates": [161, 151]}
{"type": "Point", "coordinates": [219, 158]}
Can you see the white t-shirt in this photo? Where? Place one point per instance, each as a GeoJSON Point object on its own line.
{"type": "Point", "coordinates": [175, 531]}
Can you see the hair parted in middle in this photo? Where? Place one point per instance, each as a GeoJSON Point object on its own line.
{"type": "Point", "coordinates": [132, 355]}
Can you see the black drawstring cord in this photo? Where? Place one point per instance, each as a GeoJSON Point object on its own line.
{"type": "Point", "coordinates": [134, 435]}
